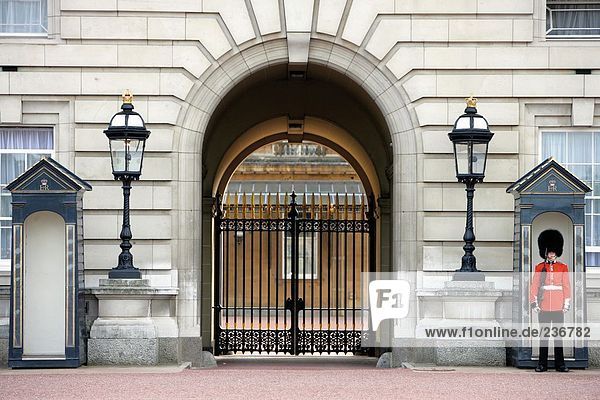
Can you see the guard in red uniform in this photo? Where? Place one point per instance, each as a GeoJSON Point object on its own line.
{"type": "Point", "coordinates": [550, 294]}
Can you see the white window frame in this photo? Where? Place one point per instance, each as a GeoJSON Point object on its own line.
{"type": "Point", "coordinates": [286, 257]}
{"type": "Point", "coordinates": [588, 249]}
{"type": "Point", "coordinates": [46, 29]}
{"type": "Point", "coordinates": [578, 36]}
{"type": "Point", "coordinates": [6, 262]}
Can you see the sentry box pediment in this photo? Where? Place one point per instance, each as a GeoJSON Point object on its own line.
{"type": "Point", "coordinates": [548, 197]}
{"type": "Point", "coordinates": [48, 175]}
{"type": "Point", "coordinates": [548, 178]}
{"type": "Point", "coordinates": [47, 326]}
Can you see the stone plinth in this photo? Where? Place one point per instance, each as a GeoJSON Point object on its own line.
{"type": "Point", "coordinates": [126, 331]}
{"type": "Point", "coordinates": [458, 304]}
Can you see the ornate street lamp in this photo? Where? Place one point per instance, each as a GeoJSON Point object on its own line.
{"type": "Point", "coordinates": [470, 137]}
{"type": "Point", "coordinates": [127, 136]}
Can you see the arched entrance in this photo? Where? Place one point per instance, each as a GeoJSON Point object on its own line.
{"type": "Point", "coordinates": [294, 233]}
{"type": "Point", "coordinates": [324, 107]}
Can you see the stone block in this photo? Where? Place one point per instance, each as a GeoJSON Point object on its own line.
{"type": "Point", "coordinates": [361, 17]}
{"type": "Point", "coordinates": [522, 30]}
{"type": "Point", "coordinates": [88, 5]}
{"type": "Point", "coordinates": [70, 27]}
{"type": "Point", "coordinates": [166, 6]}
{"type": "Point", "coordinates": [207, 30]}
{"type": "Point", "coordinates": [21, 54]}
{"type": "Point", "coordinates": [480, 30]}
{"type": "Point", "coordinates": [168, 350]}
{"type": "Point", "coordinates": [505, 7]}
{"type": "Point", "coordinates": [436, 7]}
{"type": "Point", "coordinates": [81, 55]}
{"type": "Point", "coordinates": [592, 85]}
{"type": "Point", "coordinates": [574, 57]}
{"type": "Point", "coordinates": [267, 15]}
{"type": "Point", "coordinates": [95, 111]}
{"type": "Point", "coordinates": [404, 60]}
{"type": "Point", "coordinates": [94, 168]}
{"type": "Point", "coordinates": [330, 15]}
{"type": "Point", "coordinates": [114, 83]}
{"type": "Point", "coordinates": [3, 352]}
{"type": "Point", "coordinates": [481, 85]}
{"type": "Point", "coordinates": [4, 84]}
{"type": "Point", "coordinates": [162, 111]}
{"type": "Point", "coordinates": [122, 351]}
{"type": "Point", "coordinates": [387, 34]}
{"type": "Point", "coordinates": [470, 355]}
{"type": "Point", "coordinates": [583, 112]}
{"type": "Point", "coordinates": [529, 85]}
{"type": "Point", "coordinates": [45, 82]}
{"type": "Point", "coordinates": [298, 15]}
{"type": "Point", "coordinates": [175, 84]}
{"type": "Point", "coordinates": [101, 226]}
{"type": "Point", "coordinates": [151, 226]}
{"type": "Point", "coordinates": [236, 17]}
{"type": "Point", "coordinates": [10, 109]}
{"type": "Point", "coordinates": [429, 30]}
{"type": "Point", "coordinates": [114, 28]}
{"type": "Point", "coordinates": [512, 57]}
{"type": "Point", "coordinates": [191, 350]}
{"type": "Point", "coordinates": [166, 28]}
{"type": "Point", "coordinates": [431, 113]}
{"type": "Point", "coordinates": [145, 56]}
{"type": "Point", "coordinates": [450, 58]}
{"type": "Point", "coordinates": [191, 58]}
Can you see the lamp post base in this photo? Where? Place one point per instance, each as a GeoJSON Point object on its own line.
{"type": "Point", "coordinates": [468, 276]}
{"type": "Point", "coordinates": [125, 273]}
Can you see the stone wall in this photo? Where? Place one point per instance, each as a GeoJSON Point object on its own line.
{"type": "Point", "coordinates": [416, 59]}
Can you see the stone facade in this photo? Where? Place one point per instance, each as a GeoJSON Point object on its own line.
{"type": "Point", "coordinates": [414, 60]}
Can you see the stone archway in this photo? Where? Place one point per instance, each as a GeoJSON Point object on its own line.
{"type": "Point", "coordinates": [367, 95]}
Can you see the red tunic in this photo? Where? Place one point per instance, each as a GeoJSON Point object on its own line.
{"type": "Point", "coordinates": [557, 287]}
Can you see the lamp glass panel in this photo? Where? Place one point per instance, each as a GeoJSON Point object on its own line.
{"type": "Point", "coordinates": [135, 121]}
{"type": "Point", "coordinates": [461, 154]}
{"type": "Point", "coordinates": [118, 155]}
{"type": "Point", "coordinates": [478, 158]}
{"type": "Point", "coordinates": [463, 123]}
{"type": "Point", "coordinates": [118, 120]}
{"type": "Point", "coordinates": [479, 123]}
{"type": "Point", "coordinates": [135, 152]}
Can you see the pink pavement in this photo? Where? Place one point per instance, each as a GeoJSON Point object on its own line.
{"type": "Point", "coordinates": [237, 379]}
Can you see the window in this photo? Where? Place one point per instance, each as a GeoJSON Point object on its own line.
{"type": "Point", "coordinates": [20, 148]}
{"type": "Point", "coordinates": [24, 17]}
{"type": "Point", "coordinates": [307, 256]}
{"type": "Point", "coordinates": [579, 152]}
{"type": "Point", "coordinates": [572, 18]}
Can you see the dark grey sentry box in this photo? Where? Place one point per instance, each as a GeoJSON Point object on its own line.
{"type": "Point", "coordinates": [46, 300]}
{"type": "Point", "coordinates": [549, 197]}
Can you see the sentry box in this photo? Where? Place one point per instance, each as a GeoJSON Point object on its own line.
{"type": "Point", "coordinates": [46, 299]}
{"type": "Point", "coordinates": [549, 197]}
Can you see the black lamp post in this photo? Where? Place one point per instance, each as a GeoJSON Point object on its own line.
{"type": "Point", "coordinates": [127, 136]}
{"type": "Point", "coordinates": [470, 137]}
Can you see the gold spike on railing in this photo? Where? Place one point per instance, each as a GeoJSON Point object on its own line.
{"type": "Point", "coordinates": [337, 206]}
{"type": "Point", "coordinates": [346, 206]}
{"type": "Point", "coordinates": [321, 207]}
{"type": "Point", "coordinates": [313, 213]}
{"type": "Point", "coordinates": [235, 205]}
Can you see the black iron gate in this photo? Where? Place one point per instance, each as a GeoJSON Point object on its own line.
{"type": "Point", "coordinates": [288, 272]}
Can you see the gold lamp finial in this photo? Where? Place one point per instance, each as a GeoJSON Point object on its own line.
{"type": "Point", "coordinates": [471, 101]}
{"type": "Point", "coordinates": [127, 97]}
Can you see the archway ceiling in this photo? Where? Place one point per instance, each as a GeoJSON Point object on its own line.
{"type": "Point", "coordinates": [324, 93]}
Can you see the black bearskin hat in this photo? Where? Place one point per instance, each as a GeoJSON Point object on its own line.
{"type": "Point", "coordinates": [550, 240]}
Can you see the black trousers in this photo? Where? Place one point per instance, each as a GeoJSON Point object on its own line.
{"type": "Point", "coordinates": [546, 317]}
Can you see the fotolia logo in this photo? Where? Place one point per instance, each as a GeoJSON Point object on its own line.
{"type": "Point", "coordinates": [388, 299]}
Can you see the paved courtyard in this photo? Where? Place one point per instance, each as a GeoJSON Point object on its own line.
{"type": "Point", "coordinates": [303, 378]}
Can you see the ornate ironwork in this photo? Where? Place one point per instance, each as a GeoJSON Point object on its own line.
{"type": "Point", "coordinates": [288, 273]}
